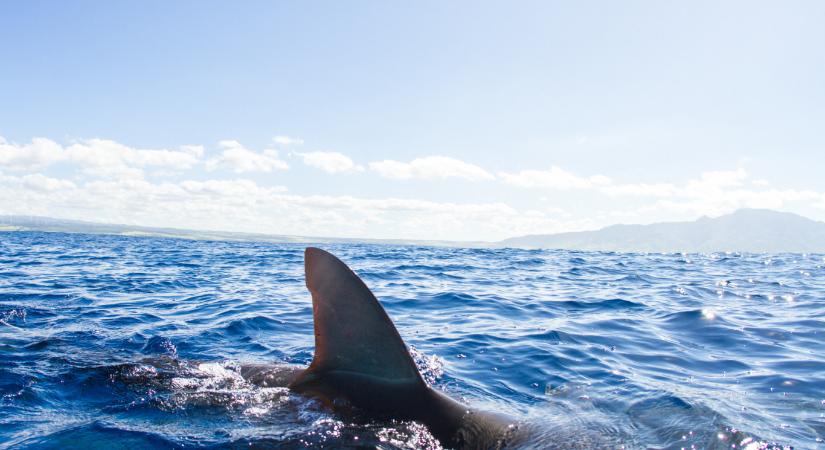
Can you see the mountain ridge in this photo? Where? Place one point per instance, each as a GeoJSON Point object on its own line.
{"type": "Point", "coordinates": [744, 230]}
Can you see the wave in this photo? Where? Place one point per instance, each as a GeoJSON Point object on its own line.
{"type": "Point", "coordinates": [102, 339]}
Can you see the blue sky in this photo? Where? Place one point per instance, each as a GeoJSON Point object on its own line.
{"type": "Point", "coordinates": [439, 120]}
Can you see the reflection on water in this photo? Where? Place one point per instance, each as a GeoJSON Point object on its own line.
{"type": "Point", "coordinates": [135, 342]}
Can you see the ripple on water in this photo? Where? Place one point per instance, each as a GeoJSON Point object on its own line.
{"type": "Point", "coordinates": [136, 342]}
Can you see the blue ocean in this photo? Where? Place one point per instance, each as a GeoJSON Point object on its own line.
{"type": "Point", "coordinates": [133, 342]}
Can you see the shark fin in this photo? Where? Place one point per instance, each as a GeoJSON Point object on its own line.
{"type": "Point", "coordinates": [352, 331]}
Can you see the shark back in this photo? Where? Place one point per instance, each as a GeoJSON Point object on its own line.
{"type": "Point", "coordinates": [361, 364]}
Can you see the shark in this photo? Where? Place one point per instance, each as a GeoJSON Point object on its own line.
{"type": "Point", "coordinates": [362, 370]}
{"type": "Point", "coordinates": [362, 367]}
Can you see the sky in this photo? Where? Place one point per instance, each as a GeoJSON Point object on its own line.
{"type": "Point", "coordinates": [459, 120]}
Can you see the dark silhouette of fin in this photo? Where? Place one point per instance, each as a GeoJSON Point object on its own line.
{"type": "Point", "coordinates": [362, 368]}
{"type": "Point", "coordinates": [352, 331]}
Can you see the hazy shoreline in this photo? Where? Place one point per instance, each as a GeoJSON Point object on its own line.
{"type": "Point", "coordinates": [746, 230]}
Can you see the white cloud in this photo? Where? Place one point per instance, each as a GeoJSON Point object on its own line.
{"type": "Point", "coordinates": [640, 190]}
{"type": "Point", "coordinates": [708, 184]}
{"type": "Point", "coordinates": [39, 182]}
{"type": "Point", "coordinates": [36, 155]}
{"type": "Point", "coordinates": [718, 179]}
{"type": "Point", "coordinates": [239, 159]}
{"type": "Point", "coordinates": [820, 203]}
{"type": "Point", "coordinates": [108, 153]}
{"type": "Point", "coordinates": [722, 201]}
{"type": "Point", "coordinates": [194, 150]}
{"type": "Point", "coordinates": [430, 167]}
{"type": "Point", "coordinates": [98, 157]}
{"type": "Point", "coordinates": [243, 205]}
{"type": "Point", "coordinates": [286, 140]}
{"type": "Point", "coordinates": [115, 190]}
{"type": "Point", "coordinates": [330, 162]}
{"type": "Point", "coordinates": [107, 158]}
{"type": "Point", "coordinates": [711, 193]}
{"type": "Point", "coordinates": [717, 192]}
{"type": "Point", "coordinates": [554, 178]}
{"type": "Point", "coordinates": [228, 188]}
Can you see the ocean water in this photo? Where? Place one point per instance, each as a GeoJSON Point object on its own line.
{"type": "Point", "coordinates": [126, 342]}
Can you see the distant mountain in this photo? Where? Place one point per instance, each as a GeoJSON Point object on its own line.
{"type": "Point", "coordinates": [49, 224]}
{"type": "Point", "coordinates": [746, 230]}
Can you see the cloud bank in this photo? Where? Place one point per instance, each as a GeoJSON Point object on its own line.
{"type": "Point", "coordinates": [226, 188]}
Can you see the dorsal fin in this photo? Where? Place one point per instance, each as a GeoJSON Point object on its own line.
{"type": "Point", "coordinates": [352, 331]}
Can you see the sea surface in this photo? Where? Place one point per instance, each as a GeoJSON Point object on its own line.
{"type": "Point", "coordinates": [129, 342]}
